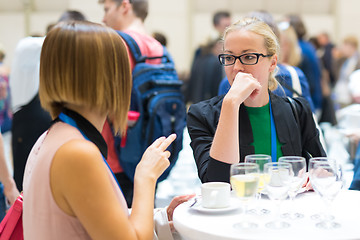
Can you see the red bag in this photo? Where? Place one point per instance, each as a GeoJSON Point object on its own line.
{"type": "Point", "coordinates": [11, 227]}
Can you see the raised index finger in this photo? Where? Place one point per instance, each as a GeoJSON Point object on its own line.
{"type": "Point", "coordinates": [164, 145]}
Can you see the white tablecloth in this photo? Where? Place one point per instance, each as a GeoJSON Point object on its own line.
{"type": "Point", "coordinates": [197, 225]}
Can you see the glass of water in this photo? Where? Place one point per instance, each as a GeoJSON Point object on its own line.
{"type": "Point", "coordinates": [298, 177]}
{"type": "Point", "coordinates": [277, 184]}
{"type": "Point", "coordinates": [327, 180]}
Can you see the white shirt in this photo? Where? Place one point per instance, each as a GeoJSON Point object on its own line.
{"type": "Point", "coordinates": [24, 75]}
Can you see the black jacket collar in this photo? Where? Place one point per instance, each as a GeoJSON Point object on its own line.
{"type": "Point", "coordinates": [88, 129]}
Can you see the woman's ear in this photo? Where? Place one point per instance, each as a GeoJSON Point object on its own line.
{"type": "Point", "coordinates": [273, 63]}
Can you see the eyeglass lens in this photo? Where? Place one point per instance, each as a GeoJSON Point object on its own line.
{"type": "Point", "coordinates": [248, 59]}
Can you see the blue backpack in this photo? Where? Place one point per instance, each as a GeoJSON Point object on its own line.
{"type": "Point", "coordinates": [2, 202]}
{"type": "Point", "coordinates": [156, 95]}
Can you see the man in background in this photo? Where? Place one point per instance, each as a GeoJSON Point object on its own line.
{"type": "Point", "coordinates": [206, 71]}
{"type": "Point", "coordinates": [128, 16]}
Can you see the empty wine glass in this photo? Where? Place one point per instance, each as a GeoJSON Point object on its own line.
{"type": "Point", "coordinates": [260, 159]}
{"type": "Point", "coordinates": [244, 179]}
{"type": "Point", "coordinates": [277, 179]}
{"type": "Point", "coordinates": [318, 216]}
{"type": "Point", "coordinates": [298, 178]}
{"type": "Point", "coordinates": [327, 180]}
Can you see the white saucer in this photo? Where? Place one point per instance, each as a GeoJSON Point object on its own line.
{"type": "Point", "coordinates": [234, 205]}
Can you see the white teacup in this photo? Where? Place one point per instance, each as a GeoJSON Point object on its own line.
{"type": "Point", "coordinates": [215, 195]}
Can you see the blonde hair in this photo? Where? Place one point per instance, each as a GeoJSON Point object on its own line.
{"type": "Point", "coordinates": [261, 28]}
{"type": "Point", "coordinates": [293, 57]}
{"type": "Point", "coordinates": [351, 40]}
{"type": "Point", "coordinates": [86, 64]}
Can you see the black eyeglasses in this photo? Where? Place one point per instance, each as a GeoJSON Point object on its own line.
{"type": "Point", "coordinates": [246, 58]}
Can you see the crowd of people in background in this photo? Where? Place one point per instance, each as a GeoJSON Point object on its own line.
{"type": "Point", "coordinates": [325, 74]}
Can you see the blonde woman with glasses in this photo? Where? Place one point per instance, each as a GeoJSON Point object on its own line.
{"type": "Point", "coordinates": [249, 119]}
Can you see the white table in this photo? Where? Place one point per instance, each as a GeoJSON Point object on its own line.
{"type": "Point", "coordinates": [197, 225]}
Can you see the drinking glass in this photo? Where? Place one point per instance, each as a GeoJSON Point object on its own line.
{"type": "Point", "coordinates": [260, 159]}
{"type": "Point", "coordinates": [327, 180]}
{"type": "Point", "coordinates": [321, 215]}
{"type": "Point", "coordinates": [244, 179]}
{"type": "Point", "coordinates": [298, 177]}
{"type": "Point", "coordinates": [277, 183]}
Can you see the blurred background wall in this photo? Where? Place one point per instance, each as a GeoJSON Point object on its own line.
{"type": "Point", "coordinates": [185, 23]}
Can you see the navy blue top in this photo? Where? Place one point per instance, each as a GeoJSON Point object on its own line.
{"type": "Point", "coordinates": [310, 65]}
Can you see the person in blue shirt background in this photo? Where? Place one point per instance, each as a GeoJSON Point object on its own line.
{"type": "Point", "coordinates": [310, 63]}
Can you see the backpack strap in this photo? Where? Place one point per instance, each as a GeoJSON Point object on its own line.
{"type": "Point", "coordinates": [133, 46]}
{"type": "Point", "coordinates": [135, 50]}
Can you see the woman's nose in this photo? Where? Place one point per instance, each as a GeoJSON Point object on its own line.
{"type": "Point", "coordinates": [238, 66]}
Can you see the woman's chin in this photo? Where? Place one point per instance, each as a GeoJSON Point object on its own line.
{"type": "Point", "coordinates": [254, 94]}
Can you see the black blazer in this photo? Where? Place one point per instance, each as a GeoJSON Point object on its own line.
{"type": "Point", "coordinates": [203, 119]}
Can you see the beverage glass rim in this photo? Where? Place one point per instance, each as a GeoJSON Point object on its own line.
{"type": "Point", "coordinates": [245, 164]}
{"type": "Point", "coordinates": [291, 159]}
{"type": "Point", "coordinates": [328, 160]}
{"type": "Point", "coordinates": [258, 156]}
{"type": "Point", "coordinates": [215, 184]}
{"type": "Point", "coordinates": [320, 159]}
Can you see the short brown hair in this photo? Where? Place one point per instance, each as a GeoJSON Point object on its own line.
{"type": "Point", "coordinates": [118, 2]}
{"type": "Point", "coordinates": [2, 53]}
{"type": "Point", "coordinates": [140, 7]}
{"type": "Point", "coordinates": [86, 64]}
{"type": "Point", "coordinates": [218, 16]}
{"type": "Point", "coordinates": [297, 23]}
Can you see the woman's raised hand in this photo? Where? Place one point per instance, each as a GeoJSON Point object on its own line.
{"type": "Point", "coordinates": [243, 86]}
{"type": "Point", "coordinates": [156, 158]}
